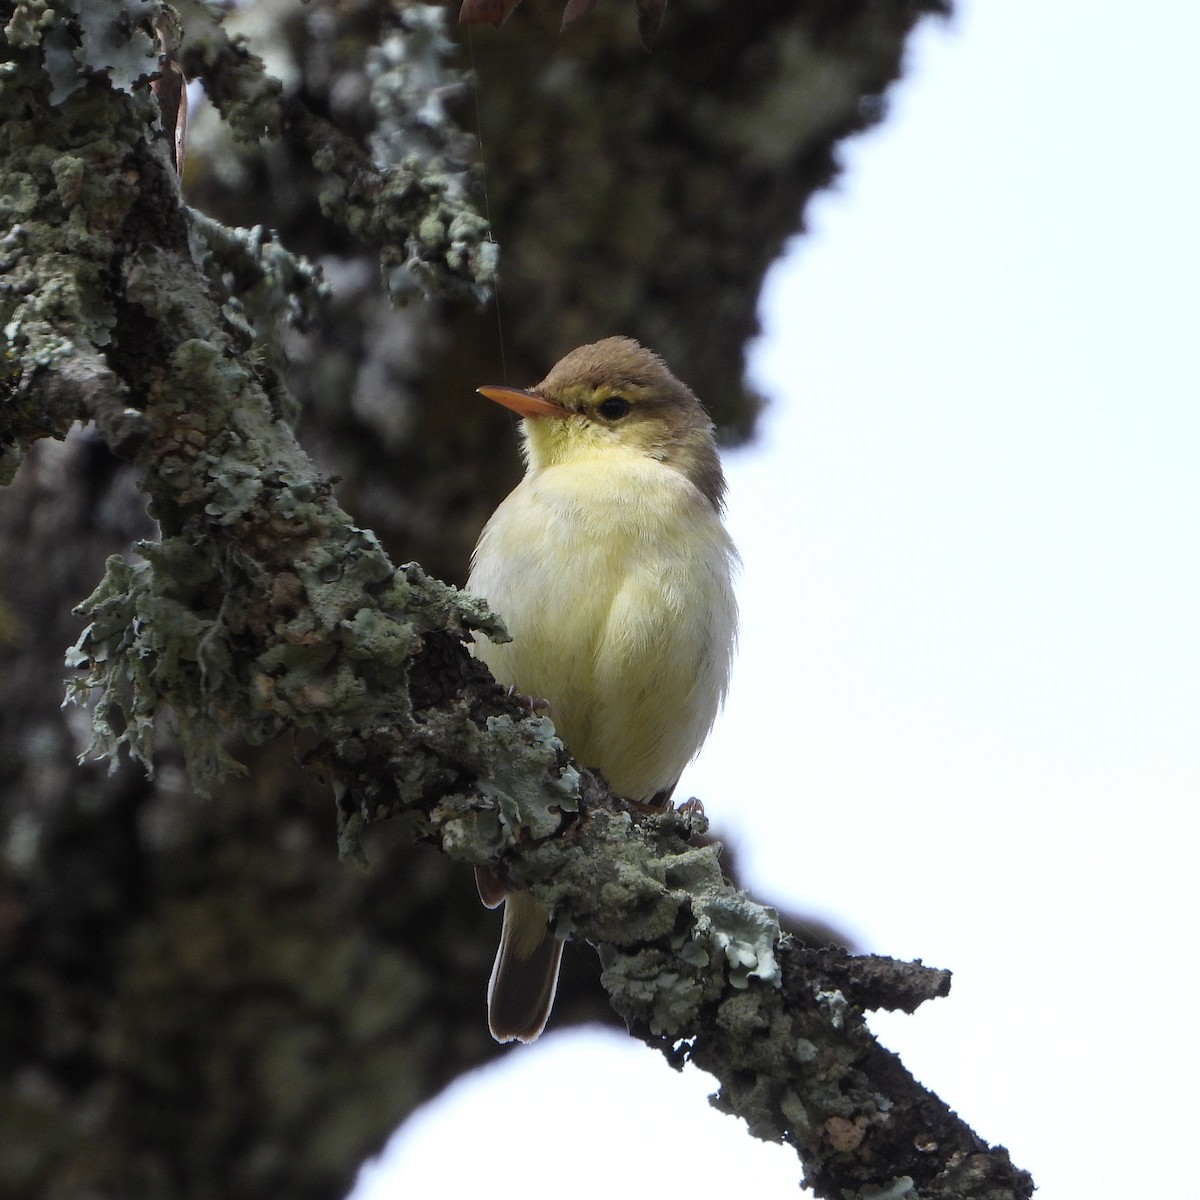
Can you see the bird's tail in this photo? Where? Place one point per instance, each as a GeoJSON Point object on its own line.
{"type": "Point", "coordinates": [525, 975]}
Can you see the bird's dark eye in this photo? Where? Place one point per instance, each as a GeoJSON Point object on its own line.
{"type": "Point", "coordinates": [613, 408]}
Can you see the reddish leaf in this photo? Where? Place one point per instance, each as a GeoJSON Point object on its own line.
{"type": "Point", "coordinates": [485, 12]}
{"type": "Point", "coordinates": [650, 18]}
{"type": "Point", "coordinates": [576, 9]}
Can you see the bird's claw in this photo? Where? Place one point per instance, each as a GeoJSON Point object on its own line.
{"type": "Point", "coordinates": [539, 706]}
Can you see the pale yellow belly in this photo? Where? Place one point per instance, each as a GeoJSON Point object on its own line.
{"type": "Point", "coordinates": [621, 613]}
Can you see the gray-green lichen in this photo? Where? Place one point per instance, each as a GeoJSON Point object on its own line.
{"type": "Point", "coordinates": [509, 756]}
{"type": "Point", "coordinates": [835, 1003]}
{"type": "Point", "coordinates": [746, 935]}
{"type": "Point", "coordinates": [235, 78]}
{"type": "Point", "coordinates": [412, 195]}
{"type": "Point", "coordinates": [671, 933]}
{"type": "Point", "coordinates": [61, 202]}
{"type": "Point", "coordinates": [170, 634]}
{"type": "Point", "coordinates": [414, 136]}
{"type": "Point", "coordinates": [84, 38]}
{"type": "Point", "coordinates": [141, 651]}
{"type": "Point", "coordinates": [520, 770]}
{"type": "Point", "coordinates": [266, 286]}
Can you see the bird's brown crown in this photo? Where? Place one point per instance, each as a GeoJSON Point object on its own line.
{"type": "Point", "coordinates": [618, 392]}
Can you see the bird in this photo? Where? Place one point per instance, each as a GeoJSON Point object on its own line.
{"type": "Point", "coordinates": [612, 570]}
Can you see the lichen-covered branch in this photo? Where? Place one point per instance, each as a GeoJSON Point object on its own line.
{"type": "Point", "coordinates": [264, 610]}
{"type": "Point", "coordinates": [411, 195]}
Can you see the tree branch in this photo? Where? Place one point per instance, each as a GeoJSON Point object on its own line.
{"type": "Point", "coordinates": [411, 197]}
{"type": "Point", "coordinates": [265, 610]}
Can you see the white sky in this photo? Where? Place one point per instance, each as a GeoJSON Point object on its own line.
{"type": "Point", "coordinates": [965, 722]}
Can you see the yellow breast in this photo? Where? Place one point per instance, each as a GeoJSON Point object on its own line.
{"type": "Point", "coordinates": [613, 577]}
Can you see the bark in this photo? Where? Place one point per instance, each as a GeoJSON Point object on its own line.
{"type": "Point", "coordinates": [198, 999]}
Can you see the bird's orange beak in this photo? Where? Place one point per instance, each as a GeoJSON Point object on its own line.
{"type": "Point", "coordinates": [528, 404]}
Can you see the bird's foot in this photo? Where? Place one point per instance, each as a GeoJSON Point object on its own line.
{"type": "Point", "coordinates": [539, 706]}
{"type": "Point", "coordinates": [658, 804]}
{"type": "Point", "coordinates": [691, 812]}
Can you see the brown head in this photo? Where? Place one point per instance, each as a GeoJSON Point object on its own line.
{"type": "Point", "coordinates": [617, 394]}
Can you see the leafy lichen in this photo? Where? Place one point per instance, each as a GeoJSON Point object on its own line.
{"type": "Point", "coordinates": [412, 193]}
{"type": "Point", "coordinates": [170, 634]}
{"type": "Point", "coordinates": [61, 202]}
